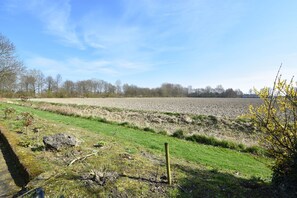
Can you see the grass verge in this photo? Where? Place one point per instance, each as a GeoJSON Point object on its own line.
{"type": "Point", "coordinates": [137, 156]}
{"type": "Point", "coordinates": [218, 158]}
{"type": "Point", "coordinates": [201, 139]}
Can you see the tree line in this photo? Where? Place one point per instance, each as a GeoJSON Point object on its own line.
{"type": "Point", "coordinates": [17, 81]}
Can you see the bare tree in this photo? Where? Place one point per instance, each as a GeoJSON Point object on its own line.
{"type": "Point", "coordinates": [10, 65]}
{"type": "Point", "coordinates": [40, 81]}
{"type": "Point", "coordinates": [49, 81]}
{"type": "Point", "coordinates": [69, 88]}
{"type": "Point", "coordinates": [58, 82]}
{"type": "Point", "coordinates": [28, 82]}
{"type": "Point", "coordinates": [118, 85]}
{"type": "Point", "coordinates": [219, 89]}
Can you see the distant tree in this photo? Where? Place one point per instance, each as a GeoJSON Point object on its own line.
{"type": "Point", "coordinates": [173, 90]}
{"type": "Point", "coordinates": [208, 91]}
{"type": "Point", "coordinates": [58, 81]}
{"type": "Point", "coordinates": [82, 88]}
{"type": "Point", "coordinates": [10, 65]}
{"type": "Point", "coordinates": [69, 88]}
{"type": "Point", "coordinates": [118, 85]}
{"type": "Point", "coordinates": [50, 83]}
{"type": "Point", "coordinates": [251, 91]}
{"type": "Point", "coordinates": [230, 93]}
{"type": "Point", "coordinates": [110, 89]}
{"type": "Point", "coordinates": [99, 86]}
{"type": "Point", "coordinates": [40, 81]}
{"type": "Point", "coordinates": [28, 82]}
{"type": "Point", "coordinates": [130, 90]}
{"type": "Point", "coordinates": [238, 92]}
{"type": "Point", "coordinates": [219, 89]}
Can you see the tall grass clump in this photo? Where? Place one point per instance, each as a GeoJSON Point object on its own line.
{"type": "Point", "coordinates": [202, 139]}
{"type": "Point", "coordinates": [179, 134]}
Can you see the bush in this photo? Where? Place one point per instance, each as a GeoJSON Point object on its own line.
{"type": "Point", "coordinates": [241, 146]}
{"type": "Point", "coordinates": [149, 129]}
{"type": "Point", "coordinates": [285, 177]}
{"type": "Point", "coordinates": [8, 112]}
{"type": "Point", "coordinates": [277, 119]}
{"type": "Point", "coordinates": [202, 139]}
{"type": "Point", "coordinates": [123, 124]}
{"type": "Point", "coordinates": [178, 134]}
{"type": "Point", "coordinates": [256, 150]}
{"type": "Point", "coordinates": [228, 144]}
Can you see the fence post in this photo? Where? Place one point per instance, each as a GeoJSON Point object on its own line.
{"type": "Point", "coordinates": [168, 163]}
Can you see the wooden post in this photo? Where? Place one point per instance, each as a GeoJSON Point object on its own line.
{"type": "Point", "coordinates": [168, 163]}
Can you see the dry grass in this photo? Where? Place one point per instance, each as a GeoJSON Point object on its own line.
{"type": "Point", "coordinates": [139, 168]}
{"type": "Point", "coordinates": [236, 130]}
{"type": "Point", "coordinates": [58, 178]}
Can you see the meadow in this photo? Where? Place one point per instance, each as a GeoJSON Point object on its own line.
{"type": "Point", "coordinates": [134, 154]}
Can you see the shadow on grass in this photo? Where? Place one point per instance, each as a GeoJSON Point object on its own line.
{"type": "Point", "coordinates": [15, 168]}
{"type": "Point", "coordinates": [212, 183]}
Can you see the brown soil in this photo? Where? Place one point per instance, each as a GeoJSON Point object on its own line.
{"type": "Point", "coordinates": [220, 107]}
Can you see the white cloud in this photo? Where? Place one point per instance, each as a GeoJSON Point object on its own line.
{"type": "Point", "coordinates": [155, 35]}
{"type": "Point", "coordinates": [75, 68]}
{"type": "Point", "coordinates": [55, 16]}
{"type": "Point", "coordinates": [142, 31]}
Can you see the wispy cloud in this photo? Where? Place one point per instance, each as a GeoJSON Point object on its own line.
{"type": "Point", "coordinates": [142, 30]}
{"type": "Point", "coordinates": [84, 69]}
{"type": "Point", "coordinates": [55, 16]}
{"type": "Point", "coordinates": [127, 37]}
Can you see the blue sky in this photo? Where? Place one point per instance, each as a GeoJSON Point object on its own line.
{"type": "Point", "coordinates": [235, 43]}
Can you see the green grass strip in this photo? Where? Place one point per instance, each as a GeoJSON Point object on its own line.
{"type": "Point", "coordinates": [215, 157]}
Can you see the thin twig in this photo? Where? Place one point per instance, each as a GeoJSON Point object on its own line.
{"type": "Point", "coordinates": [81, 158]}
{"type": "Point", "coordinates": [272, 93]}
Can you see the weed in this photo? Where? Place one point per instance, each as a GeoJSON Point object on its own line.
{"type": "Point", "coordinates": [131, 151]}
{"type": "Point", "coordinates": [100, 144]}
{"type": "Point", "coordinates": [149, 129]}
{"type": "Point", "coordinates": [242, 146]}
{"type": "Point", "coordinates": [27, 118]}
{"type": "Point", "coordinates": [25, 143]}
{"type": "Point", "coordinates": [242, 119]}
{"type": "Point", "coordinates": [101, 120]}
{"type": "Point", "coordinates": [213, 119]}
{"type": "Point", "coordinates": [123, 124]}
{"type": "Point", "coordinates": [8, 112]}
{"type": "Point", "coordinates": [172, 113]}
{"type": "Point", "coordinates": [179, 134]}
{"type": "Point", "coordinates": [202, 139]}
{"type": "Point", "coordinates": [199, 117]}
{"type": "Point", "coordinates": [163, 132]}
{"type": "Point", "coordinates": [256, 150]}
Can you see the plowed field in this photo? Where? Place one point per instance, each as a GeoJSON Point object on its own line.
{"type": "Point", "coordinates": [222, 107]}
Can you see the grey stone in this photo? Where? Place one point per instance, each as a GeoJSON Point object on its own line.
{"type": "Point", "coordinates": [59, 141]}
